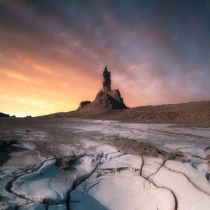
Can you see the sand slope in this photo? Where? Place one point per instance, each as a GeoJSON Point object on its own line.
{"type": "Point", "coordinates": [186, 113]}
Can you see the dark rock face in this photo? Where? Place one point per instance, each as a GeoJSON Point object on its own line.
{"type": "Point", "coordinates": [82, 104]}
{"type": "Point", "coordinates": [110, 99]}
{"type": "Point", "coordinates": [107, 79]}
{"type": "Point", "coordinates": [4, 115]}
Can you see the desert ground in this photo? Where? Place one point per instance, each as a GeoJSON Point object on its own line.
{"type": "Point", "coordinates": [69, 163]}
{"type": "Point", "coordinates": [193, 113]}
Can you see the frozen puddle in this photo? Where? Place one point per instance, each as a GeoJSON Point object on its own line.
{"type": "Point", "coordinates": [93, 174]}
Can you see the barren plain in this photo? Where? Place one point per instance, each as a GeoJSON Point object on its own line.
{"type": "Point", "coordinates": [193, 113]}
{"type": "Point", "coordinates": [67, 163]}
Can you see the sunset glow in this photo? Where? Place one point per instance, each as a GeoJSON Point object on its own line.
{"type": "Point", "coordinates": [52, 53]}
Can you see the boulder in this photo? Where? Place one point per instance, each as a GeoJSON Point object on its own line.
{"type": "Point", "coordinates": [82, 104]}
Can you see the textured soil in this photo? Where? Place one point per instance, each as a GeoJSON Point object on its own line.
{"type": "Point", "coordinates": [194, 113]}
{"type": "Point", "coordinates": [146, 149]}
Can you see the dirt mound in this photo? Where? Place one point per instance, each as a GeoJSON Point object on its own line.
{"type": "Point", "coordinates": [146, 149]}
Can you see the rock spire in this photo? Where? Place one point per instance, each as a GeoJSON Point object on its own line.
{"type": "Point", "coordinates": [105, 99]}
{"type": "Point", "coordinates": [107, 79]}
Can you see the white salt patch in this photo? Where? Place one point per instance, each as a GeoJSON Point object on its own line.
{"type": "Point", "coordinates": [117, 192]}
{"type": "Point", "coordinates": [51, 183]}
{"type": "Point", "coordinates": [151, 166]}
{"type": "Point", "coordinates": [131, 160]}
{"type": "Point", "coordinates": [179, 145]}
{"type": "Point", "coordinates": [195, 174]}
{"type": "Point", "coordinates": [105, 149]}
{"type": "Point", "coordinates": [194, 151]}
{"type": "Point", "coordinates": [187, 195]}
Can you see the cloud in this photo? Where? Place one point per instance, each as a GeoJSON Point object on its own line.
{"type": "Point", "coordinates": [157, 50]}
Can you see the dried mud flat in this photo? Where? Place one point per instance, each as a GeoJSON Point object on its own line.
{"type": "Point", "coordinates": [57, 163]}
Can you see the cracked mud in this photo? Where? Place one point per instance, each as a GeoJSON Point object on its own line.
{"type": "Point", "coordinates": [86, 164]}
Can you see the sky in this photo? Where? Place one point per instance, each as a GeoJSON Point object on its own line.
{"type": "Point", "coordinates": [53, 52]}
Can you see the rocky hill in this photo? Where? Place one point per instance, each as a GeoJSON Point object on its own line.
{"type": "Point", "coordinates": [4, 115]}
{"type": "Point", "coordinates": [106, 99]}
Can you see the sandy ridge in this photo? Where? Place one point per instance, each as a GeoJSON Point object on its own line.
{"type": "Point", "coordinates": [195, 113]}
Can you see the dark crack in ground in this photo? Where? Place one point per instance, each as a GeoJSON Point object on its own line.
{"type": "Point", "coordinates": [151, 181]}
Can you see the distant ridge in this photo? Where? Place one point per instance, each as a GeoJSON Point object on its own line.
{"type": "Point", "coordinates": [194, 113]}
{"type": "Point", "coordinates": [4, 115]}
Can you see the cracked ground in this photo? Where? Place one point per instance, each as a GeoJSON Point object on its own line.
{"type": "Point", "coordinates": [93, 164]}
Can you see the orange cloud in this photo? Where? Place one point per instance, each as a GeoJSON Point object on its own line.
{"type": "Point", "coordinates": [38, 66]}
{"type": "Point", "coordinates": [18, 76]}
{"type": "Point", "coordinates": [35, 91]}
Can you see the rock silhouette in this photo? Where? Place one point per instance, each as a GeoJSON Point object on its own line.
{"type": "Point", "coordinates": [107, 79]}
{"type": "Point", "coordinates": [105, 98]}
{"type": "Point", "coordinates": [4, 115]}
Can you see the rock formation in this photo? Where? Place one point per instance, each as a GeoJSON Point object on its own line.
{"type": "Point", "coordinates": [4, 115]}
{"type": "Point", "coordinates": [106, 98]}
{"type": "Point", "coordinates": [107, 79]}
{"type": "Point", "coordinates": [82, 104]}
{"type": "Point", "coordinates": [110, 99]}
